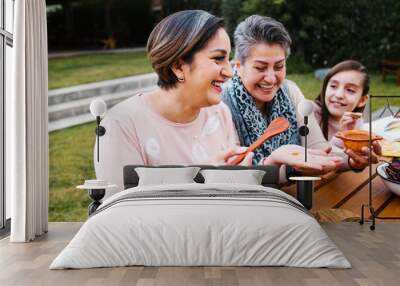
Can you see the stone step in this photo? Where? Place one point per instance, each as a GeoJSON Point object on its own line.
{"type": "Point", "coordinates": [70, 121]}
{"type": "Point", "coordinates": [76, 112]}
{"type": "Point", "coordinates": [62, 95]}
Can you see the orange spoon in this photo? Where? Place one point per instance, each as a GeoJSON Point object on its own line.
{"type": "Point", "coordinates": [277, 126]}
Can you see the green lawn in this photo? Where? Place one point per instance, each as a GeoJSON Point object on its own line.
{"type": "Point", "coordinates": [76, 70]}
{"type": "Point", "coordinates": [71, 162]}
{"type": "Point", "coordinates": [71, 149]}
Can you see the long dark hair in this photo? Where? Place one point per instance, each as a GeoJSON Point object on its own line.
{"type": "Point", "coordinates": [349, 65]}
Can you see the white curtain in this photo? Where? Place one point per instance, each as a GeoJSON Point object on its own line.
{"type": "Point", "coordinates": [26, 124]}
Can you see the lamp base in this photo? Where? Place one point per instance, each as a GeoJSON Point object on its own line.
{"type": "Point", "coordinates": [96, 195]}
{"type": "Point", "coordinates": [100, 130]}
{"type": "Point", "coordinates": [305, 193]}
{"type": "Point", "coordinates": [303, 130]}
{"type": "Point", "coordinates": [305, 189]}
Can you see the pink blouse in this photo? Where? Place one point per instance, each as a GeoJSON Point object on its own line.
{"type": "Point", "coordinates": [138, 135]}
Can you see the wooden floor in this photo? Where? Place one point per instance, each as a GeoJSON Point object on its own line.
{"type": "Point", "coordinates": [374, 255]}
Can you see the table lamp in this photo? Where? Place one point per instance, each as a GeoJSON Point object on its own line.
{"type": "Point", "coordinates": [305, 184]}
{"type": "Point", "coordinates": [305, 109]}
{"type": "Point", "coordinates": [98, 108]}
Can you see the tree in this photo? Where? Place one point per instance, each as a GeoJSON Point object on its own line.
{"type": "Point", "coordinates": [172, 6]}
{"type": "Point", "coordinates": [326, 32]}
{"type": "Point", "coordinates": [231, 11]}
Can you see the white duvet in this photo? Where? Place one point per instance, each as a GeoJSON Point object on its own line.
{"type": "Point", "coordinates": [185, 230]}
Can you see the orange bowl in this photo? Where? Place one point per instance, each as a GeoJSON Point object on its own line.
{"type": "Point", "coordinates": [356, 139]}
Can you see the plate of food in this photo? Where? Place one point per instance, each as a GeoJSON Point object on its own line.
{"type": "Point", "coordinates": [390, 175]}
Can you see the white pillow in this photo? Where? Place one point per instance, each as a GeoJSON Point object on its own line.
{"type": "Point", "coordinates": [248, 177]}
{"type": "Point", "coordinates": [164, 176]}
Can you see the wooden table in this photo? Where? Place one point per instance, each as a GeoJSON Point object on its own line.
{"type": "Point", "coordinates": [340, 198]}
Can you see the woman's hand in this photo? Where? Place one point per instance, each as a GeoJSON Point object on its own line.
{"type": "Point", "coordinates": [229, 156]}
{"type": "Point", "coordinates": [319, 162]}
{"type": "Point", "coordinates": [329, 162]}
{"type": "Point", "coordinates": [360, 160]}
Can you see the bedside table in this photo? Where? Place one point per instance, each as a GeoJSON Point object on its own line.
{"type": "Point", "coordinates": [96, 190]}
{"type": "Point", "coordinates": [305, 190]}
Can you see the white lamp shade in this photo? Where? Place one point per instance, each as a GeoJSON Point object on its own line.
{"type": "Point", "coordinates": [305, 107]}
{"type": "Point", "coordinates": [98, 107]}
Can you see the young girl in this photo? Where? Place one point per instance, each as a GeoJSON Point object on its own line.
{"type": "Point", "coordinates": [343, 97]}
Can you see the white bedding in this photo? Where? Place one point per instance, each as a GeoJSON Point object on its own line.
{"type": "Point", "coordinates": [189, 230]}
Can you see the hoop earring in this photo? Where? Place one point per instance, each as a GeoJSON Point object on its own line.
{"type": "Point", "coordinates": [181, 79]}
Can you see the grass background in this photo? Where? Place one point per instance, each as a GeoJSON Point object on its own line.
{"type": "Point", "coordinates": [71, 149]}
{"type": "Point", "coordinates": [76, 70]}
{"type": "Point", "coordinates": [71, 162]}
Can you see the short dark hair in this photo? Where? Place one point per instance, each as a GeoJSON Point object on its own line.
{"type": "Point", "coordinates": [348, 65]}
{"type": "Point", "coordinates": [257, 29]}
{"type": "Point", "coordinates": [178, 37]}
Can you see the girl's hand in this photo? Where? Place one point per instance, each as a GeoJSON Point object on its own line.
{"type": "Point", "coordinates": [360, 160]}
{"type": "Point", "coordinates": [319, 162]}
{"type": "Point", "coordinates": [347, 122]}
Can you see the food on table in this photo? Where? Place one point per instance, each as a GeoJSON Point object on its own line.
{"type": "Point", "coordinates": [390, 148]}
{"type": "Point", "coordinates": [354, 115]}
{"type": "Point", "coordinates": [393, 170]}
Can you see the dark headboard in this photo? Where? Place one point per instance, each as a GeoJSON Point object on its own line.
{"type": "Point", "coordinates": [270, 179]}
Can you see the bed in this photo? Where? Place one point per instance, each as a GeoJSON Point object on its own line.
{"type": "Point", "coordinates": [201, 224]}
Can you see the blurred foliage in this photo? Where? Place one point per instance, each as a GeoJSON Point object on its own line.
{"type": "Point", "coordinates": [85, 24]}
{"type": "Point", "coordinates": [323, 32]}
{"type": "Point", "coordinates": [326, 32]}
{"type": "Point", "coordinates": [231, 10]}
{"type": "Point", "coordinates": [172, 6]}
{"type": "Point", "coordinates": [296, 64]}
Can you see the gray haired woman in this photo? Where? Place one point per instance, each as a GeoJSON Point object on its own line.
{"type": "Point", "coordinates": [258, 93]}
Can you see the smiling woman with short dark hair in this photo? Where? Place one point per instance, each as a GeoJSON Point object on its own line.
{"type": "Point", "coordinates": [178, 38]}
{"type": "Point", "coordinates": [183, 121]}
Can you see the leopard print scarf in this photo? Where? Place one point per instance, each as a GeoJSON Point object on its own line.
{"type": "Point", "coordinates": [250, 123]}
